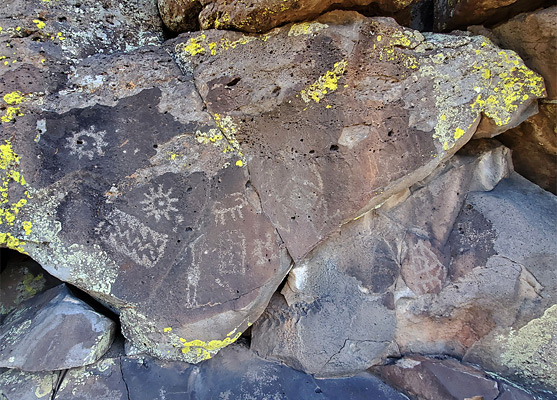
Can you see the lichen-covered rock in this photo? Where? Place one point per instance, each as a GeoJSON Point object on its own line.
{"type": "Point", "coordinates": [534, 143]}
{"type": "Point", "coordinates": [125, 187]}
{"type": "Point", "coordinates": [340, 307]}
{"type": "Point", "coordinates": [102, 380]}
{"type": "Point", "coordinates": [54, 331]}
{"type": "Point", "coordinates": [350, 105]}
{"type": "Point", "coordinates": [458, 14]}
{"type": "Point", "coordinates": [21, 385]}
{"type": "Point", "coordinates": [74, 29]}
{"type": "Point", "coordinates": [21, 279]}
{"type": "Point", "coordinates": [445, 379]}
{"type": "Point", "coordinates": [527, 353]}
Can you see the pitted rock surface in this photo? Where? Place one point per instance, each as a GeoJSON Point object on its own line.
{"type": "Point", "coordinates": [54, 331]}
{"type": "Point", "coordinates": [341, 310]}
{"type": "Point", "coordinates": [350, 105]}
{"type": "Point", "coordinates": [139, 196]}
{"type": "Point", "coordinates": [161, 187]}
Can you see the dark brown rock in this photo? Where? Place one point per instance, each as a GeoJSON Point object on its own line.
{"type": "Point", "coordinates": [54, 331]}
{"type": "Point", "coordinates": [340, 310]}
{"type": "Point", "coordinates": [344, 105]}
{"type": "Point", "coordinates": [458, 14]}
{"type": "Point", "coordinates": [444, 379]}
{"type": "Point", "coordinates": [133, 195]}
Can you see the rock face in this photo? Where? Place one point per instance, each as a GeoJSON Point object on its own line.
{"type": "Point", "coordinates": [164, 180]}
{"type": "Point", "coordinates": [440, 379]}
{"type": "Point", "coordinates": [430, 271]}
{"type": "Point", "coordinates": [534, 143]}
{"type": "Point", "coordinates": [53, 331]}
{"type": "Point", "coordinates": [458, 14]}
{"type": "Point", "coordinates": [360, 121]}
{"type": "Point", "coordinates": [258, 16]}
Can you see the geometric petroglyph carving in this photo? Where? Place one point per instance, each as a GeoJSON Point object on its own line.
{"type": "Point", "coordinates": [130, 237]}
{"type": "Point", "coordinates": [231, 253]}
{"type": "Point", "coordinates": [87, 143]}
{"type": "Point", "coordinates": [222, 214]}
{"type": "Point", "coordinates": [422, 271]}
{"type": "Point", "coordinates": [158, 203]}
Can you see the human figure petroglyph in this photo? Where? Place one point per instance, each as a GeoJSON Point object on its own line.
{"type": "Point", "coordinates": [87, 143]}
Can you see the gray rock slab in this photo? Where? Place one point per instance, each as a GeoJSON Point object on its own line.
{"type": "Point", "coordinates": [22, 385]}
{"type": "Point", "coordinates": [54, 331]}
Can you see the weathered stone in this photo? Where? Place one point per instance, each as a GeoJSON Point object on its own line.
{"type": "Point", "coordinates": [500, 274]}
{"type": "Point", "coordinates": [133, 193]}
{"type": "Point", "coordinates": [236, 373]}
{"type": "Point", "coordinates": [53, 331]}
{"type": "Point", "coordinates": [73, 29]}
{"type": "Point", "coordinates": [21, 385]}
{"type": "Point", "coordinates": [261, 15]}
{"type": "Point", "coordinates": [458, 14]}
{"type": "Point", "coordinates": [102, 380]}
{"type": "Point", "coordinates": [534, 146]}
{"type": "Point", "coordinates": [21, 279]}
{"type": "Point", "coordinates": [444, 379]}
{"type": "Point", "coordinates": [350, 105]}
{"type": "Point", "coordinates": [534, 143]}
{"type": "Point", "coordinates": [338, 313]}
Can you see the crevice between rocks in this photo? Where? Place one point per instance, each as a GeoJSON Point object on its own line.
{"type": "Point", "coordinates": [124, 378]}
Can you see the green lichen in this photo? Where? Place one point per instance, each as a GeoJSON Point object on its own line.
{"type": "Point", "coordinates": [532, 350]}
{"type": "Point", "coordinates": [306, 28]}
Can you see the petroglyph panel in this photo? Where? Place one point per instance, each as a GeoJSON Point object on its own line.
{"type": "Point", "coordinates": [131, 238]}
{"type": "Point", "coordinates": [422, 268]}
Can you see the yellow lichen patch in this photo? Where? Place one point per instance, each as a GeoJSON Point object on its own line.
{"type": "Point", "coordinates": [169, 329]}
{"type": "Point", "coordinates": [40, 24]}
{"type": "Point", "coordinates": [199, 45]}
{"type": "Point", "coordinates": [390, 52]}
{"type": "Point", "coordinates": [11, 178]}
{"type": "Point", "coordinates": [12, 99]}
{"type": "Point", "coordinates": [326, 83]}
{"type": "Point", "coordinates": [229, 130]}
{"type": "Point", "coordinates": [306, 28]}
{"type": "Point", "coordinates": [199, 350]}
{"type": "Point", "coordinates": [501, 93]}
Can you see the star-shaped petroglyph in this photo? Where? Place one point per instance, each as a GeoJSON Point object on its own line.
{"type": "Point", "coordinates": [87, 143]}
{"type": "Point", "coordinates": [158, 203]}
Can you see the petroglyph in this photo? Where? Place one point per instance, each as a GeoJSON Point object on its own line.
{"type": "Point", "coordinates": [422, 270]}
{"type": "Point", "coordinates": [261, 248]}
{"type": "Point", "coordinates": [158, 203]}
{"type": "Point", "coordinates": [233, 213]}
{"type": "Point", "coordinates": [130, 237]}
{"type": "Point", "coordinates": [87, 143]}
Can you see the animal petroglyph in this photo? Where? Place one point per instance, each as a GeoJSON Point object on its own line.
{"type": "Point", "coordinates": [158, 203]}
{"type": "Point", "coordinates": [131, 238]}
{"type": "Point", "coordinates": [229, 213]}
{"type": "Point", "coordinates": [87, 143]}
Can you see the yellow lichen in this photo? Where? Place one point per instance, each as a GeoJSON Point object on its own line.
{"type": "Point", "coordinates": [204, 350]}
{"type": "Point", "coordinates": [326, 83]}
{"type": "Point", "coordinates": [306, 28]}
{"type": "Point", "coordinates": [12, 99]}
{"type": "Point", "coordinates": [40, 24]}
{"type": "Point", "coordinates": [9, 162]}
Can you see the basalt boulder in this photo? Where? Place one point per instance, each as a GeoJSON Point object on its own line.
{"type": "Point", "coordinates": [349, 110]}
